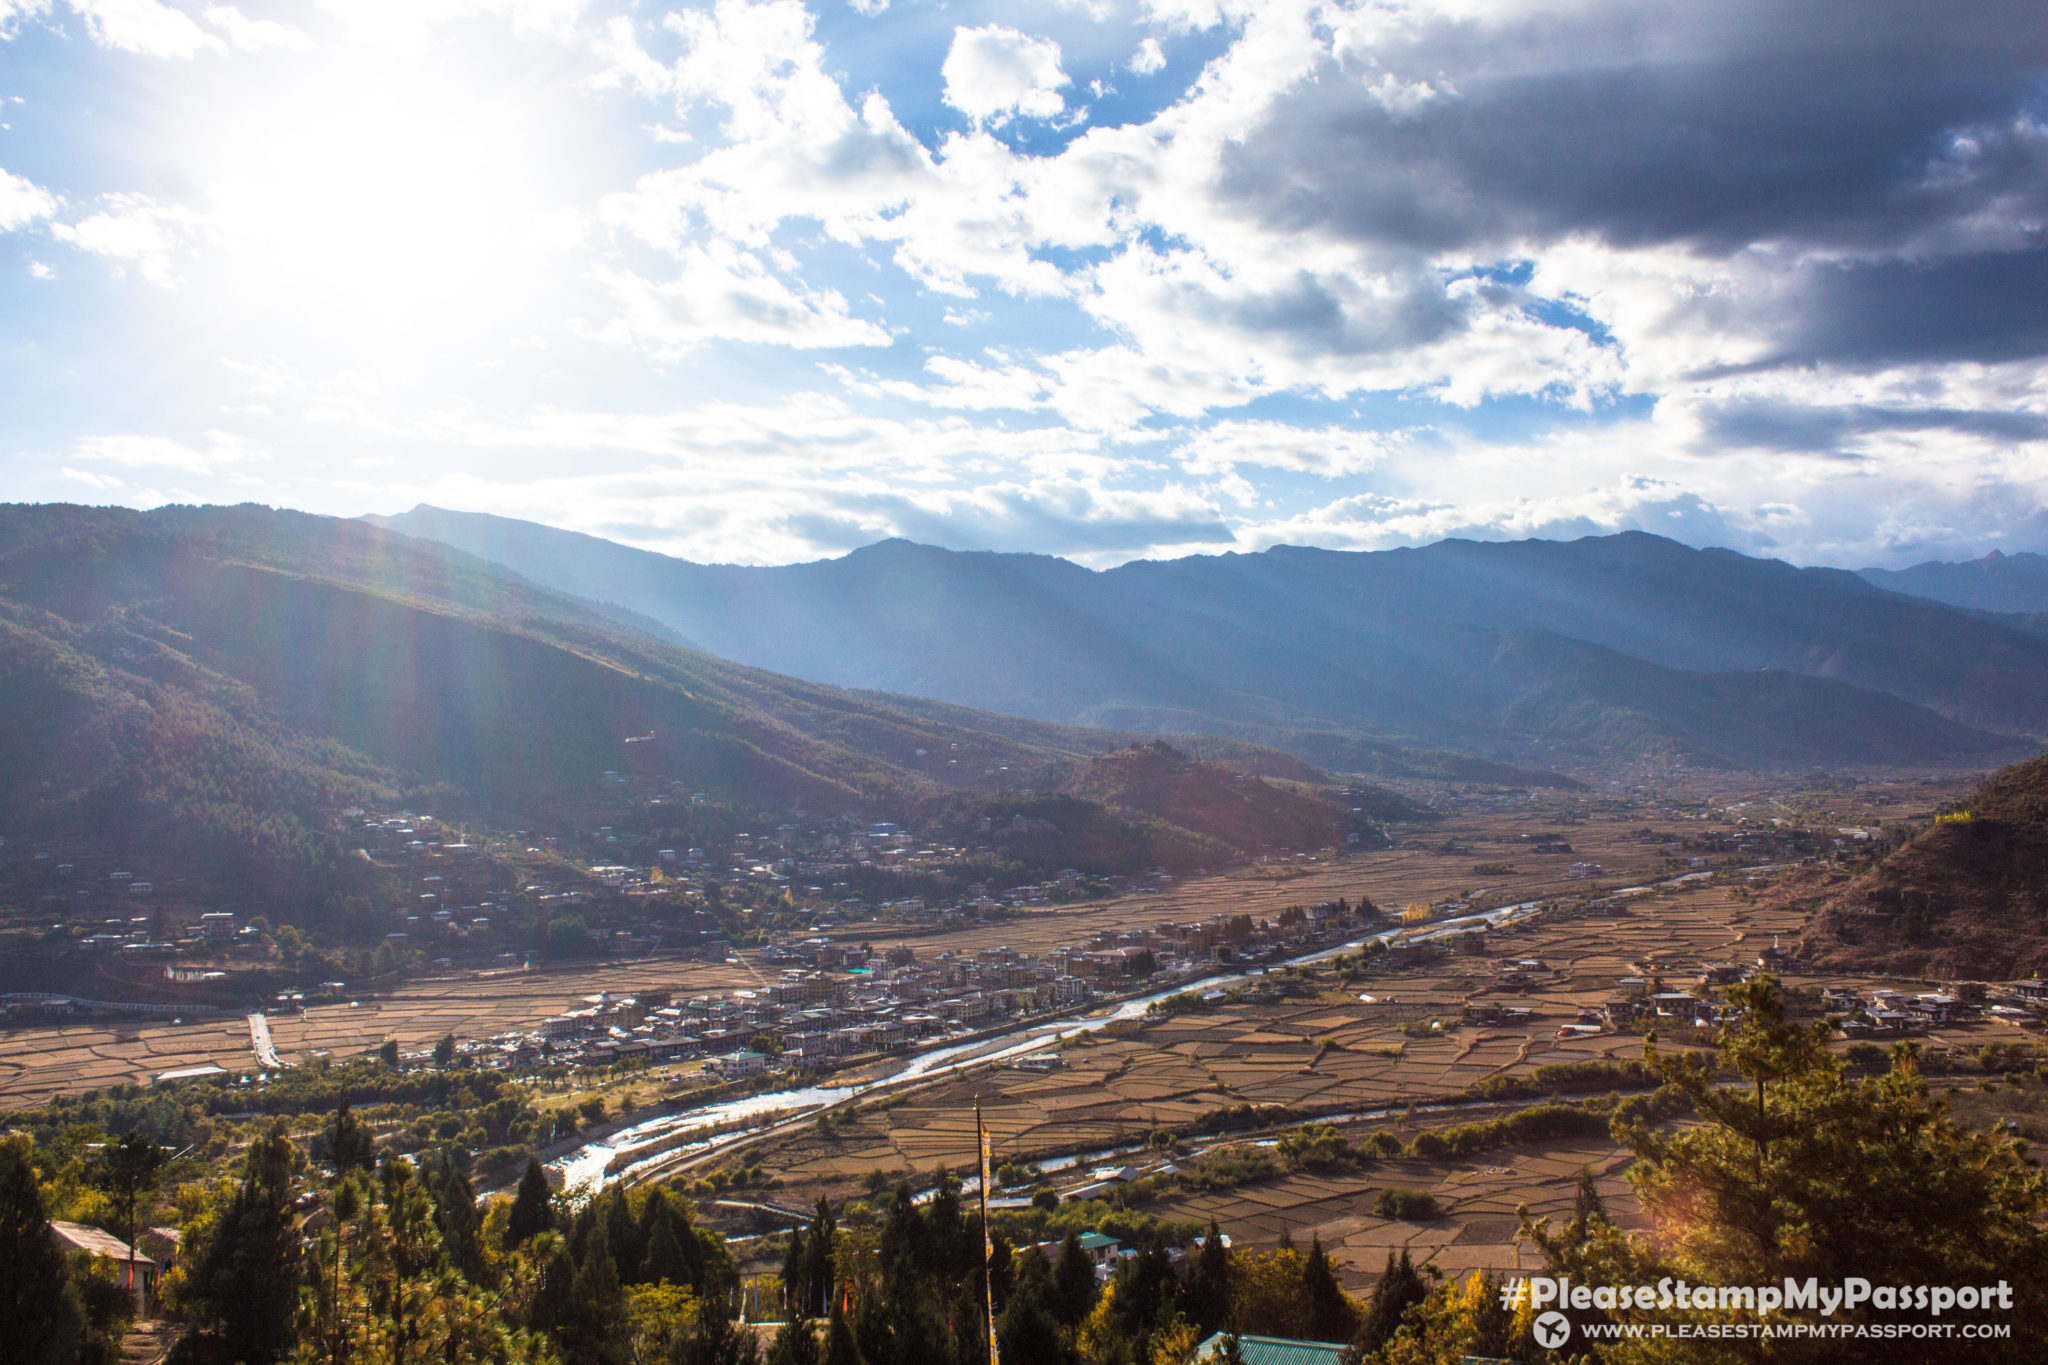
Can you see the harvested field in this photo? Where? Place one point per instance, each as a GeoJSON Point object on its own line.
{"type": "Point", "coordinates": [1478, 1200]}
{"type": "Point", "coordinates": [37, 1062]}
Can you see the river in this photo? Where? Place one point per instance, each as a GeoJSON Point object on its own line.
{"type": "Point", "coordinates": [588, 1165]}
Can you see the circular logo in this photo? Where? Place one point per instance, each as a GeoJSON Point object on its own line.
{"type": "Point", "coordinates": [1551, 1330]}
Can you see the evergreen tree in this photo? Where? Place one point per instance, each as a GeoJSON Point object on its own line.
{"type": "Point", "coordinates": [624, 1234]}
{"type": "Point", "coordinates": [593, 1334]}
{"type": "Point", "coordinates": [42, 1320]}
{"type": "Point", "coordinates": [533, 1206]}
{"type": "Point", "coordinates": [665, 1262]}
{"type": "Point", "coordinates": [795, 1299]}
{"type": "Point", "coordinates": [245, 1279]}
{"type": "Point", "coordinates": [458, 1219]}
{"type": "Point", "coordinates": [1026, 1330]}
{"type": "Point", "coordinates": [1331, 1314]}
{"type": "Point", "coordinates": [1209, 1284]}
{"type": "Point", "coordinates": [1146, 1290]}
{"type": "Point", "coordinates": [1073, 1283]}
{"type": "Point", "coordinates": [795, 1344]}
{"type": "Point", "coordinates": [350, 1146]}
{"type": "Point", "coordinates": [840, 1348]}
{"type": "Point", "coordinates": [127, 1169]}
{"type": "Point", "coordinates": [1400, 1287]}
{"type": "Point", "coordinates": [715, 1341]}
{"type": "Point", "coordinates": [1588, 1207]}
{"type": "Point", "coordinates": [818, 1255]}
{"type": "Point", "coordinates": [1801, 1171]}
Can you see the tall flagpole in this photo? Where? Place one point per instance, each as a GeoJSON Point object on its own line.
{"type": "Point", "coordinates": [988, 1246]}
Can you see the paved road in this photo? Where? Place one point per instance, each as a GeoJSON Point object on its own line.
{"type": "Point", "coordinates": [259, 1042]}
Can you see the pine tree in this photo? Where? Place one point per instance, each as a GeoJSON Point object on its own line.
{"type": "Point", "coordinates": [42, 1321]}
{"type": "Point", "coordinates": [840, 1348]}
{"type": "Point", "coordinates": [1588, 1207]}
{"type": "Point", "coordinates": [795, 1344]}
{"type": "Point", "coordinates": [665, 1262]}
{"type": "Point", "coordinates": [1073, 1283]}
{"type": "Point", "coordinates": [593, 1334]}
{"type": "Point", "coordinates": [795, 1298]}
{"type": "Point", "coordinates": [458, 1219]}
{"type": "Point", "coordinates": [818, 1255]}
{"type": "Point", "coordinates": [1209, 1284]}
{"type": "Point", "coordinates": [1399, 1288]}
{"type": "Point", "coordinates": [127, 1169]}
{"type": "Point", "coordinates": [1331, 1315]}
{"type": "Point", "coordinates": [1027, 1330]}
{"type": "Point", "coordinates": [350, 1146]}
{"type": "Point", "coordinates": [245, 1280]}
{"type": "Point", "coordinates": [533, 1206]}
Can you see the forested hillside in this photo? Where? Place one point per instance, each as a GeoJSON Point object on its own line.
{"type": "Point", "coordinates": [210, 688]}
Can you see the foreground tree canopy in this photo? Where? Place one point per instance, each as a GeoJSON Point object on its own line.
{"type": "Point", "coordinates": [1766, 1161]}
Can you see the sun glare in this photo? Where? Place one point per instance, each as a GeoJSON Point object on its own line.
{"type": "Point", "coordinates": [382, 202]}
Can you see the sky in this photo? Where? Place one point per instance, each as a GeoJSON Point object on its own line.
{"type": "Point", "coordinates": [1107, 279]}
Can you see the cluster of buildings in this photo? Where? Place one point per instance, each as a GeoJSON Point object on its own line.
{"type": "Point", "coordinates": [835, 999]}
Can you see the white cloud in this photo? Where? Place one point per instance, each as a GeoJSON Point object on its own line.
{"type": "Point", "coordinates": [145, 27]}
{"type": "Point", "coordinates": [136, 230]}
{"type": "Point", "coordinates": [162, 452]}
{"type": "Point", "coordinates": [12, 12]}
{"type": "Point", "coordinates": [1328, 451]}
{"type": "Point", "coordinates": [104, 483]}
{"type": "Point", "coordinates": [253, 35]}
{"type": "Point", "coordinates": [726, 294]}
{"type": "Point", "coordinates": [993, 72]}
{"type": "Point", "coordinates": [1149, 57]}
{"type": "Point", "coordinates": [408, 26]}
{"type": "Point", "coordinates": [23, 202]}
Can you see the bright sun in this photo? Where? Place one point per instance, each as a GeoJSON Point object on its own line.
{"type": "Point", "coordinates": [387, 201]}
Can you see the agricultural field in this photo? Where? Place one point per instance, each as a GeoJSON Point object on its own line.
{"type": "Point", "coordinates": [38, 1062]}
{"type": "Point", "coordinates": [1219, 1062]}
{"type": "Point", "coordinates": [1390, 1050]}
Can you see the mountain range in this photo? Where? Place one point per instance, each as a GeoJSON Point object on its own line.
{"type": "Point", "coordinates": [2011, 584]}
{"type": "Point", "coordinates": [1531, 652]}
{"type": "Point", "coordinates": [203, 690]}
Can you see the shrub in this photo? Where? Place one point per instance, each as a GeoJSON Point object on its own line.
{"type": "Point", "coordinates": [1408, 1206]}
{"type": "Point", "coordinates": [1537, 1123]}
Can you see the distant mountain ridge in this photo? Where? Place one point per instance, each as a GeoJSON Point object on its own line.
{"type": "Point", "coordinates": [209, 686]}
{"type": "Point", "coordinates": [2015, 584]}
{"type": "Point", "coordinates": [1529, 652]}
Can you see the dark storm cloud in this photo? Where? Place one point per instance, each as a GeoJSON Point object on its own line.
{"type": "Point", "coordinates": [1855, 123]}
{"type": "Point", "coordinates": [1820, 430]}
{"type": "Point", "coordinates": [1986, 306]}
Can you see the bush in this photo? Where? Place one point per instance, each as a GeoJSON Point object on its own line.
{"type": "Point", "coordinates": [1228, 1168]}
{"type": "Point", "coordinates": [1408, 1206]}
{"type": "Point", "coordinates": [1317, 1147]}
{"type": "Point", "coordinates": [1563, 1077]}
{"type": "Point", "coordinates": [1539, 1123]}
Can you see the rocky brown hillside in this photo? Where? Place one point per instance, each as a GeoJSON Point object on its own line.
{"type": "Point", "coordinates": [1965, 899]}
